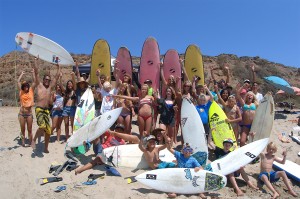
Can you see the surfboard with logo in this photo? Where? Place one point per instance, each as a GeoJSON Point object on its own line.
{"type": "Point", "coordinates": [44, 48]}
{"type": "Point", "coordinates": [125, 62]}
{"type": "Point", "coordinates": [150, 63]}
{"type": "Point", "coordinates": [193, 63]}
{"type": "Point", "coordinates": [220, 129]}
{"type": "Point", "coordinates": [171, 67]}
{"type": "Point", "coordinates": [182, 180]}
{"type": "Point", "coordinates": [291, 169]}
{"type": "Point", "coordinates": [101, 59]}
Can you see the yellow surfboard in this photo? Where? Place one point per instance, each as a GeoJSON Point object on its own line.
{"type": "Point", "coordinates": [193, 63]}
{"type": "Point", "coordinates": [220, 129]}
{"type": "Point", "coordinates": [100, 60]}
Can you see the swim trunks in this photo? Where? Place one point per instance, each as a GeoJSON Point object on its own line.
{"type": "Point", "coordinates": [42, 118]}
{"type": "Point", "coordinates": [163, 165]}
{"type": "Point", "coordinates": [271, 176]}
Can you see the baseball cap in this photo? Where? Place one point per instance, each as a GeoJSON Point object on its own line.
{"type": "Point", "coordinates": [148, 81]}
{"type": "Point", "coordinates": [150, 137]}
{"type": "Point", "coordinates": [120, 126]}
{"type": "Point", "coordinates": [247, 81]}
{"type": "Point", "coordinates": [229, 140]}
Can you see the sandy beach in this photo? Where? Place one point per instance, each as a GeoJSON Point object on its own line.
{"type": "Point", "coordinates": [20, 168]}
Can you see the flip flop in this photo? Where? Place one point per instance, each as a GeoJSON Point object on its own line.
{"type": "Point", "coordinates": [60, 188]}
{"type": "Point", "coordinates": [92, 177]}
{"type": "Point", "coordinates": [53, 168]}
{"type": "Point", "coordinates": [71, 167]}
{"type": "Point", "coordinates": [93, 182]}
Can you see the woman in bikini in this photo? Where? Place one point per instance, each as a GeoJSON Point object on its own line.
{"type": "Point", "coordinates": [69, 105]}
{"type": "Point", "coordinates": [27, 101]}
{"type": "Point", "coordinates": [145, 112]}
{"type": "Point", "coordinates": [57, 110]}
{"type": "Point", "coordinates": [127, 111]}
{"type": "Point", "coordinates": [249, 105]}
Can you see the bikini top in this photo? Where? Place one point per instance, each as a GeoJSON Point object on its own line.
{"type": "Point", "coordinates": [145, 101]}
{"type": "Point", "coordinates": [169, 105]}
{"type": "Point", "coordinates": [251, 107]}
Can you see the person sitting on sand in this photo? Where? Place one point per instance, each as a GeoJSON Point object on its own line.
{"type": "Point", "coordinates": [109, 140]}
{"type": "Point", "coordinates": [267, 175]}
{"type": "Point", "coordinates": [184, 160]}
{"type": "Point", "coordinates": [220, 153]}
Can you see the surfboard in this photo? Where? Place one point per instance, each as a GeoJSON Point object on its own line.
{"type": "Point", "coordinates": [100, 60]}
{"type": "Point", "coordinates": [85, 110]}
{"type": "Point", "coordinates": [125, 62]}
{"type": "Point", "coordinates": [238, 158]}
{"type": "Point", "coordinates": [193, 131]}
{"type": "Point", "coordinates": [193, 63]}
{"type": "Point", "coordinates": [264, 118]}
{"type": "Point", "coordinates": [220, 129]}
{"type": "Point", "coordinates": [150, 63]}
{"type": "Point", "coordinates": [291, 169]}
{"type": "Point", "coordinates": [44, 48]}
{"type": "Point", "coordinates": [182, 180]}
{"type": "Point", "coordinates": [171, 67]}
{"type": "Point", "coordinates": [94, 128]}
{"type": "Point", "coordinates": [130, 156]}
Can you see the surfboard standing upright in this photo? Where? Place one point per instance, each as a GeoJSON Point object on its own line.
{"type": "Point", "coordinates": [125, 62]}
{"type": "Point", "coordinates": [263, 120]}
{"type": "Point", "coordinates": [100, 60]}
{"type": "Point", "coordinates": [171, 67]}
{"type": "Point", "coordinates": [193, 131]}
{"type": "Point", "coordinates": [44, 48]}
{"type": "Point", "coordinates": [150, 63]}
{"type": "Point", "coordinates": [193, 63]}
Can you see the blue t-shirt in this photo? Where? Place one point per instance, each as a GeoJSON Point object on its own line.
{"type": "Point", "coordinates": [203, 111]}
{"type": "Point", "coordinates": [183, 162]}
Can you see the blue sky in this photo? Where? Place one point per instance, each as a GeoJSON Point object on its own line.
{"type": "Point", "coordinates": [269, 29]}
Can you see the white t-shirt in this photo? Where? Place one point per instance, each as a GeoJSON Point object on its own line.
{"type": "Point", "coordinates": [259, 97]}
{"type": "Point", "coordinates": [107, 99]}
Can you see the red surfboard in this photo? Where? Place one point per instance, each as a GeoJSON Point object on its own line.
{"type": "Point", "coordinates": [171, 67]}
{"type": "Point", "coordinates": [150, 63]}
{"type": "Point", "coordinates": [124, 62]}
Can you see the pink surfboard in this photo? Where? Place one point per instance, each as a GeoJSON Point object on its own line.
{"type": "Point", "coordinates": [171, 67]}
{"type": "Point", "coordinates": [124, 62]}
{"type": "Point", "coordinates": [150, 63]}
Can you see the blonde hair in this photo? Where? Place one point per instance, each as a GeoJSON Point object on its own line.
{"type": "Point", "coordinates": [254, 96]}
{"type": "Point", "coordinates": [106, 85]}
{"type": "Point", "coordinates": [273, 146]}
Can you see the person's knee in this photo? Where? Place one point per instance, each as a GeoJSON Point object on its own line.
{"type": "Point", "coordinates": [264, 178]}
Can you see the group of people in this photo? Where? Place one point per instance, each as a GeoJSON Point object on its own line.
{"type": "Point", "coordinates": [150, 105]}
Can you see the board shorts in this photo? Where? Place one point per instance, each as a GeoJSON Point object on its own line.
{"type": "Point", "coordinates": [271, 176]}
{"type": "Point", "coordinates": [56, 113]}
{"type": "Point", "coordinates": [69, 111]}
{"type": "Point", "coordinates": [163, 165]}
{"type": "Point", "coordinates": [42, 118]}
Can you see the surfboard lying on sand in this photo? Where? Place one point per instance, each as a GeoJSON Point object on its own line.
{"type": "Point", "coordinates": [94, 128]}
{"type": "Point", "coordinates": [238, 158]}
{"type": "Point", "coordinates": [291, 169]}
{"type": "Point", "coordinates": [125, 62]}
{"type": "Point", "coordinates": [182, 180]}
{"type": "Point", "coordinates": [131, 156]}
{"type": "Point", "coordinates": [193, 63]}
{"type": "Point", "coordinates": [264, 118]}
{"type": "Point", "coordinates": [193, 131]}
{"type": "Point", "coordinates": [220, 130]}
{"type": "Point", "coordinates": [85, 110]}
{"type": "Point", "coordinates": [44, 48]}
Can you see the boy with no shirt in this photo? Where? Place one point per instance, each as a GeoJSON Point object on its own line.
{"type": "Point", "coordinates": [42, 106]}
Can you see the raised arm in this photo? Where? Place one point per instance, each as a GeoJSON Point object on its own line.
{"type": "Point", "coordinates": [253, 72]}
{"type": "Point", "coordinates": [162, 147]}
{"type": "Point", "coordinates": [77, 70]}
{"type": "Point", "coordinates": [53, 83]}
{"type": "Point", "coordinates": [36, 71]}
{"type": "Point", "coordinates": [185, 76]}
{"type": "Point", "coordinates": [238, 90]}
{"type": "Point", "coordinates": [227, 74]}
{"type": "Point", "coordinates": [141, 144]}
{"type": "Point", "coordinates": [169, 145]}
{"type": "Point", "coordinates": [19, 80]}
{"type": "Point", "coordinates": [211, 97]}
{"type": "Point", "coordinates": [60, 82]}
{"type": "Point", "coordinates": [281, 160]}
{"type": "Point", "coordinates": [162, 75]}
{"type": "Point", "coordinates": [99, 80]}
{"type": "Point", "coordinates": [117, 76]}
{"type": "Point", "coordinates": [219, 96]}
{"type": "Point", "coordinates": [73, 81]}
{"type": "Point", "coordinates": [135, 99]}
{"type": "Point", "coordinates": [211, 72]}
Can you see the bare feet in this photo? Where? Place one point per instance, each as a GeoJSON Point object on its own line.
{"type": "Point", "coordinates": [293, 193]}
{"type": "Point", "coordinates": [172, 195]}
{"type": "Point", "coordinates": [239, 192]}
{"type": "Point", "coordinates": [201, 195]}
{"type": "Point", "coordinates": [46, 151]}
{"type": "Point", "coordinates": [276, 195]}
{"type": "Point", "coordinates": [252, 186]}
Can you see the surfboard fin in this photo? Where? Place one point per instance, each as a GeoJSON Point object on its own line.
{"type": "Point", "coordinates": [49, 180]}
{"type": "Point", "coordinates": [131, 179]}
{"type": "Point", "coordinates": [92, 177]}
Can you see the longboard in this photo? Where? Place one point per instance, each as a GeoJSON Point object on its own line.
{"type": "Point", "coordinates": [100, 60]}
{"type": "Point", "coordinates": [44, 48]}
{"type": "Point", "coordinates": [182, 180]}
{"type": "Point", "coordinates": [263, 120]}
{"type": "Point", "coordinates": [150, 63]}
{"type": "Point", "coordinates": [193, 131]}
{"type": "Point", "coordinates": [193, 63]}
{"type": "Point", "coordinates": [291, 169]}
{"type": "Point", "coordinates": [125, 62]}
{"type": "Point", "coordinates": [171, 67]}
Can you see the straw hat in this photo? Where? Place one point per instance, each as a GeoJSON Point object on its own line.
{"type": "Point", "coordinates": [82, 80]}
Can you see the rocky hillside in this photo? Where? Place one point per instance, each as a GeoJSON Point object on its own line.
{"type": "Point", "coordinates": [239, 70]}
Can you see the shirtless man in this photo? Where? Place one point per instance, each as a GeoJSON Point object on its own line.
{"type": "Point", "coordinates": [42, 106]}
{"type": "Point", "coordinates": [151, 153]}
{"type": "Point", "coordinates": [269, 176]}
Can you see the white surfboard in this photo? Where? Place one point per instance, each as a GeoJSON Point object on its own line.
{"type": "Point", "coordinates": [263, 120]}
{"type": "Point", "coordinates": [94, 128]}
{"type": "Point", "coordinates": [43, 48]}
{"type": "Point", "coordinates": [291, 169]}
{"type": "Point", "coordinates": [131, 156]}
{"type": "Point", "coordinates": [239, 157]}
{"type": "Point", "coordinates": [193, 131]}
{"type": "Point", "coordinates": [85, 110]}
{"type": "Point", "coordinates": [182, 180]}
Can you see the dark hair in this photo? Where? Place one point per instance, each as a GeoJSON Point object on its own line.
{"type": "Point", "coordinates": [46, 76]}
{"type": "Point", "coordinates": [222, 91]}
{"type": "Point", "coordinates": [26, 84]}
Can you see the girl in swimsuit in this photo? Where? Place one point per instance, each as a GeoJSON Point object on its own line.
{"type": "Point", "coordinates": [145, 113]}
{"type": "Point", "coordinates": [69, 105]}
{"type": "Point", "coordinates": [57, 110]}
{"type": "Point", "coordinates": [249, 105]}
{"type": "Point", "coordinates": [27, 101]}
{"type": "Point", "coordinates": [127, 111]}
